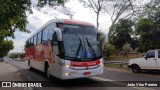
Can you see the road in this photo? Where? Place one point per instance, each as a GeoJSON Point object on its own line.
{"type": "Point", "coordinates": [92, 83]}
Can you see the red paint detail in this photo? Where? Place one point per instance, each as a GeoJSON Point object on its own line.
{"type": "Point", "coordinates": [86, 73]}
{"type": "Point", "coordinates": [68, 21]}
{"type": "Point", "coordinates": [72, 72]}
{"type": "Point", "coordinates": [32, 53]}
{"type": "Point", "coordinates": [84, 64]}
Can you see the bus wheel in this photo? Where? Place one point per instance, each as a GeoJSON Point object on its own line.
{"type": "Point", "coordinates": [48, 74]}
{"type": "Point", "coordinates": [46, 66]}
{"type": "Point", "coordinates": [29, 64]}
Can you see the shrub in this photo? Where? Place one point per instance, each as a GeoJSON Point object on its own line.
{"type": "Point", "coordinates": [108, 50]}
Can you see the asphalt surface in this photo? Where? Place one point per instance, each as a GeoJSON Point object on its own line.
{"type": "Point", "coordinates": [91, 83]}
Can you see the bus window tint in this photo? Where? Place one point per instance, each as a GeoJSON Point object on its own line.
{"type": "Point", "coordinates": [51, 30]}
{"type": "Point", "coordinates": [39, 38]}
{"type": "Point", "coordinates": [80, 42]}
{"type": "Point", "coordinates": [55, 44]}
{"type": "Point", "coordinates": [75, 29]}
{"type": "Point", "coordinates": [32, 43]}
{"type": "Point", "coordinates": [29, 43]}
{"type": "Point", "coordinates": [45, 35]}
{"type": "Point", "coordinates": [35, 39]}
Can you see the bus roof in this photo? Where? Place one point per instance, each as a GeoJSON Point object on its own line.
{"type": "Point", "coordinates": [69, 21]}
{"type": "Point", "coordinates": [65, 21]}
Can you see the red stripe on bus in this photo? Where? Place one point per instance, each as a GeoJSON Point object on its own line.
{"type": "Point", "coordinates": [84, 64]}
{"type": "Point", "coordinates": [68, 21]}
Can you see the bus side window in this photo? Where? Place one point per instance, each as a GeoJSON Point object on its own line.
{"type": "Point", "coordinates": [35, 39]}
{"type": "Point", "coordinates": [45, 35]}
{"type": "Point", "coordinates": [29, 43]}
{"type": "Point", "coordinates": [51, 32]}
{"type": "Point", "coordinates": [39, 38]}
{"type": "Point", "coordinates": [32, 43]}
{"type": "Point", "coordinates": [55, 44]}
{"type": "Point", "coordinates": [51, 29]}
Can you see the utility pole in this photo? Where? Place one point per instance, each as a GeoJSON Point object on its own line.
{"type": "Point", "coordinates": [70, 15]}
{"type": "Point", "coordinates": [22, 49]}
{"type": "Point", "coordinates": [17, 54]}
{"type": "Point", "coordinates": [14, 55]}
{"type": "Point", "coordinates": [22, 53]}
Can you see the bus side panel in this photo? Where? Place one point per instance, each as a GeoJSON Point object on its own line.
{"type": "Point", "coordinates": [41, 55]}
{"type": "Point", "coordinates": [56, 68]}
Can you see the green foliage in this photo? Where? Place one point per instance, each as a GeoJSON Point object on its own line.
{"type": "Point", "coordinates": [149, 30]}
{"type": "Point", "coordinates": [101, 39]}
{"type": "Point", "coordinates": [144, 25]}
{"type": "Point", "coordinates": [51, 3]}
{"type": "Point", "coordinates": [5, 47]}
{"type": "Point", "coordinates": [126, 49]}
{"type": "Point", "coordinates": [109, 50]}
{"type": "Point", "coordinates": [121, 33]}
{"type": "Point", "coordinates": [148, 27]}
{"type": "Point", "coordinates": [13, 15]}
{"type": "Point", "coordinates": [152, 7]}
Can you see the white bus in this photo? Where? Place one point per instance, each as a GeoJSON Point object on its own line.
{"type": "Point", "coordinates": [66, 49]}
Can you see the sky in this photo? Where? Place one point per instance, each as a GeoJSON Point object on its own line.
{"type": "Point", "coordinates": [40, 17]}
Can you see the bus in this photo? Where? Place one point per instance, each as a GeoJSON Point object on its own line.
{"type": "Point", "coordinates": [66, 49]}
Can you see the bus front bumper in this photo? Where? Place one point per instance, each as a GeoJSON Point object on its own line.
{"type": "Point", "coordinates": [72, 74]}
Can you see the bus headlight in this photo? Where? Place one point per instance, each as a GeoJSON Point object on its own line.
{"type": "Point", "coordinates": [67, 66]}
{"type": "Point", "coordinates": [101, 63]}
{"type": "Point", "coordinates": [67, 74]}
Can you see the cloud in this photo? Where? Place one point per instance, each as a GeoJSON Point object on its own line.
{"type": "Point", "coordinates": [18, 45]}
{"type": "Point", "coordinates": [40, 17]}
{"type": "Point", "coordinates": [36, 20]}
{"type": "Point", "coordinates": [64, 10]}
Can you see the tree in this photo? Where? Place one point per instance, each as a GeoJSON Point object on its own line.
{"type": "Point", "coordinates": [152, 7]}
{"type": "Point", "coordinates": [124, 9]}
{"type": "Point", "coordinates": [13, 14]}
{"type": "Point", "coordinates": [148, 27]}
{"type": "Point", "coordinates": [122, 32]}
{"type": "Point", "coordinates": [13, 17]}
{"type": "Point", "coordinates": [97, 6]}
{"type": "Point", "coordinates": [126, 49]}
{"type": "Point", "coordinates": [149, 31]}
{"type": "Point", "coordinates": [5, 47]}
{"type": "Point", "coordinates": [109, 50]}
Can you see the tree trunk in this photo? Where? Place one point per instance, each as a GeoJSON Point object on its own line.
{"type": "Point", "coordinates": [97, 21]}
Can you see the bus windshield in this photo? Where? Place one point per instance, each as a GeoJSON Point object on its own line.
{"type": "Point", "coordinates": [80, 43]}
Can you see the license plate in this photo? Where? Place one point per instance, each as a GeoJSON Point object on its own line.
{"type": "Point", "coordinates": [86, 73]}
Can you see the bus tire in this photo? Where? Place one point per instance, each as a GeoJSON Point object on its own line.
{"type": "Point", "coordinates": [29, 64]}
{"type": "Point", "coordinates": [48, 74]}
{"type": "Point", "coordinates": [46, 66]}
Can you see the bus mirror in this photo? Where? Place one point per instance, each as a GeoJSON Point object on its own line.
{"type": "Point", "coordinates": [103, 38]}
{"type": "Point", "coordinates": [59, 34]}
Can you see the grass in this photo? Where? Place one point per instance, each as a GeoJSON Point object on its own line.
{"type": "Point", "coordinates": [116, 57]}
{"type": "Point", "coordinates": [121, 58]}
{"type": "Point", "coordinates": [117, 65]}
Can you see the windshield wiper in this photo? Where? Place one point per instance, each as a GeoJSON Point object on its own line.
{"type": "Point", "coordinates": [90, 47]}
{"type": "Point", "coordinates": [79, 46]}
